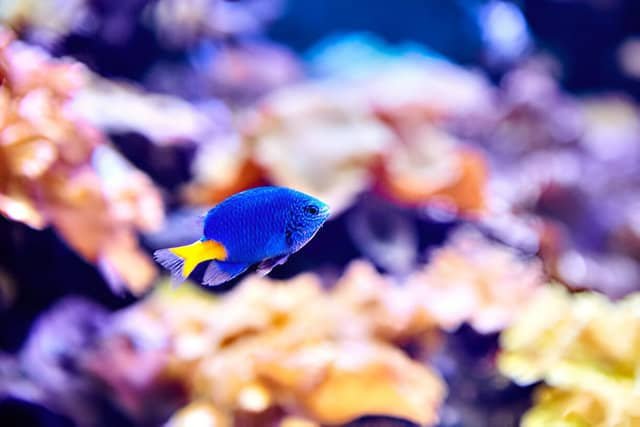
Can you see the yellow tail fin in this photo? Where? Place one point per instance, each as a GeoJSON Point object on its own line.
{"type": "Point", "coordinates": [182, 260]}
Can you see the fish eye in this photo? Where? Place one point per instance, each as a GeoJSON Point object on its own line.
{"type": "Point", "coordinates": [312, 209]}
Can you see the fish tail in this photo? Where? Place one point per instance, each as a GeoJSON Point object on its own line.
{"type": "Point", "coordinates": [182, 260]}
{"type": "Point", "coordinates": [173, 263]}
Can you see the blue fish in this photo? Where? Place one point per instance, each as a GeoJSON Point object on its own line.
{"type": "Point", "coordinates": [260, 226]}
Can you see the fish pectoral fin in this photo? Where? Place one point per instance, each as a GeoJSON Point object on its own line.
{"type": "Point", "coordinates": [269, 264]}
{"type": "Point", "coordinates": [182, 260]}
{"type": "Point", "coordinates": [219, 272]}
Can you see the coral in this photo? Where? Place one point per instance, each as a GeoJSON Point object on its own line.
{"type": "Point", "coordinates": [586, 349]}
{"type": "Point", "coordinates": [58, 170]}
{"type": "Point", "coordinates": [474, 280]}
{"type": "Point", "coordinates": [307, 137]}
{"type": "Point", "coordinates": [291, 346]}
{"type": "Point", "coordinates": [338, 137]}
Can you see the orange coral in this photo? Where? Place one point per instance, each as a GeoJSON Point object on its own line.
{"type": "Point", "coordinates": [269, 349]}
{"type": "Point", "coordinates": [292, 346]}
{"type": "Point", "coordinates": [199, 414]}
{"type": "Point", "coordinates": [469, 280]}
{"type": "Point", "coordinates": [59, 171]}
{"type": "Point", "coordinates": [474, 280]}
{"type": "Point", "coordinates": [456, 180]}
{"type": "Point", "coordinates": [352, 378]}
{"type": "Point", "coordinates": [306, 137]}
{"type": "Point", "coordinates": [390, 311]}
{"type": "Point", "coordinates": [336, 138]}
{"type": "Point", "coordinates": [241, 175]}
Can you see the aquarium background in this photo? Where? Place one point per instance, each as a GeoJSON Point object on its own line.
{"type": "Point", "coordinates": [481, 266]}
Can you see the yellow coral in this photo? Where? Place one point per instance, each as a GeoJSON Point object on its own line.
{"type": "Point", "coordinates": [561, 408]}
{"type": "Point", "coordinates": [586, 348]}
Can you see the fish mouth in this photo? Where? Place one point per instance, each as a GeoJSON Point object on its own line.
{"type": "Point", "coordinates": [325, 211]}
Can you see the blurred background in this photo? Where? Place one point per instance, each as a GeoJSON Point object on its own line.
{"type": "Point", "coordinates": [481, 266]}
